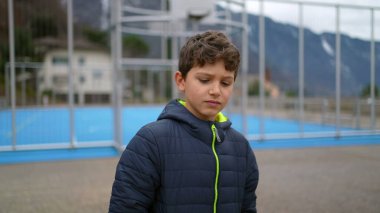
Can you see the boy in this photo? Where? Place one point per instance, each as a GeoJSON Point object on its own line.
{"type": "Point", "coordinates": [190, 159]}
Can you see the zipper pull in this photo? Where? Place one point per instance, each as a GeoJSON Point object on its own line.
{"type": "Point", "coordinates": [217, 135]}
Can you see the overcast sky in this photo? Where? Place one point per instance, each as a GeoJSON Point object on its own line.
{"type": "Point", "coordinates": [354, 22]}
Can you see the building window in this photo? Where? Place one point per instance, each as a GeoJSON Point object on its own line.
{"type": "Point", "coordinates": [81, 61]}
{"type": "Point", "coordinates": [59, 60]}
{"type": "Point", "coordinates": [97, 73]}
{"type": "Point", "coordinates": [82, 79]}
{"type": "Point", "coordinates": [60, 80]}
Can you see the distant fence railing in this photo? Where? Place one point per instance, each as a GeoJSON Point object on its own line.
{"type": "Point", "coordinates": [27, 110]}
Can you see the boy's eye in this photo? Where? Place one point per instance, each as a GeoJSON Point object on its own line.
{"type": "Point", "coordinates": [204, 80]}
{"type": "Point", "coordinates": [225, 83]}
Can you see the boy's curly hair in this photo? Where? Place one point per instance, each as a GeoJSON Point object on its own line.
{"type": "Point", "coordinates": [208, 48]}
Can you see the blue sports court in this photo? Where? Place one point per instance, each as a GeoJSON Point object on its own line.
{"type": "Point", "coordinates": [49, 126]}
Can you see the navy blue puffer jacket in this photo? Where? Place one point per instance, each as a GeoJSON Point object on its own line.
{"type": "Point", "coordinates": [183, 164]}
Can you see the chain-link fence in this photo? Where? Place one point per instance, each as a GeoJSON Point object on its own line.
{"type": "Point", "coordinates": [69, 69]}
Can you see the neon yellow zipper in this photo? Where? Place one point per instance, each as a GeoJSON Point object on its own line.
{"type": "Point", "coordinates": [214, 137]}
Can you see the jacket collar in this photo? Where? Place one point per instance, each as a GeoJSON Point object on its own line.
{"type": "Point", "coordinates": [200, 129]}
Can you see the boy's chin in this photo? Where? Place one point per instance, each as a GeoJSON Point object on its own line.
{"type": "Point", "coordinates": [210, 116]}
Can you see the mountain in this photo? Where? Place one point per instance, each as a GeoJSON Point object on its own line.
{"type": "Point", "coordinates": [281, 54]}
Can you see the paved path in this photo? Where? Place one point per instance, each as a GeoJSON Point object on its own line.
{"type": "Point", "coordinates": [340, 179]}
{"type": "Point", "coordinates": [344, 179]}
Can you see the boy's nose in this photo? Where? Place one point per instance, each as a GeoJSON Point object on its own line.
{"type": "Point", "coordinates": [215, 90]}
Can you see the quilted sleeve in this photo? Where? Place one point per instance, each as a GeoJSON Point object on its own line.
{"type": "Point", "coordinates": [252, 179]}
{"type": "Point", "coordinates": [137, 175]}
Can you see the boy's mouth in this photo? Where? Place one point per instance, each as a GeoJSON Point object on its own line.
{"type": "Point", "coordinates": [213, 103]}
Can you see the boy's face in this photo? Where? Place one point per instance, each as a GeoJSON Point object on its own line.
{"type": "Point", "coordinates": [207, 89]}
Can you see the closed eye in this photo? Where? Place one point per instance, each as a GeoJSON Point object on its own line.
{"type": "Point", "coordinates": [225, 83]}
{"type": "Point", "coordinates": [203, 81]}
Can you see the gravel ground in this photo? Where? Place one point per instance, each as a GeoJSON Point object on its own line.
{"type": "Point", "coordinates": [339, 179]}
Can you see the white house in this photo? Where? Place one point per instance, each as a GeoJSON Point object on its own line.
{"type": "Point", "coordinates": [92, 75]}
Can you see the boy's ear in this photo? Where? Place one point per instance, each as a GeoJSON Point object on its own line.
{"type": "Point", "coordinates": [180, 81]}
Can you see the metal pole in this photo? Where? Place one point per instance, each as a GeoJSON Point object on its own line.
{"type": "Point", "coordinates": [119, 82]}
{"type": "Point", "coordinates": [150, 83]}
{"type": "Point", "coordinates": [136, 88]}
{"type": "Point", "coordinates": [358, 114]}
{"type": "Point", "coordinates": [244, 69]}
{"type": "Point", "coordinates": [70, 70]}
{"type": "Point", "coordinates": [164, 37]}
{"type": "Point", "coordinates": [373, 69]}
{"type": "Point", "coordinates": [23, 102]}
{"type": "Point", "coordinates": [162, 81]}
{"type": "Point", "coordinates": [116, 57]}
{"type": "Point", "coordinates": [12, 66]}
{"type": "Point", "coordinates": [262, 69]}
{"type": "Point", "coordinates": [138, 85]}
{"type": "Point", "coordinates": [37, 87]}
{"type": "Point", "coordinates": [325, 106]}
{"type": "Point", "coordinates": [228, 16]}
{"type": "Point", "coordinates": [164, 54]}
{"type": "Point", "coordinates": [7, 80]}
{"type": "Point", "coordinates": [337, 72]}
{"type": "Point", "coordinates": [227, 19]}
{"type": "Point", "coordinates": [301, 70]}
{"type": "Point", "coordinates": [174, 57]}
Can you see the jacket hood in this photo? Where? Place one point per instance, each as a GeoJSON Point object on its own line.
{"type": "Point", "coordinates": [201, 129]}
